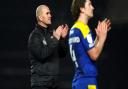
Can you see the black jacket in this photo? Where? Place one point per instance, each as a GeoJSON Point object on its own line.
{"type": "Point", "coordinates": [44, 53]}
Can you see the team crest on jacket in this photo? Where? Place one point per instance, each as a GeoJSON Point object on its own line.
{"type": "Point", "coordinates": [44, 42]}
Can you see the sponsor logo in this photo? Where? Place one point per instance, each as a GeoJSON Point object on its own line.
{"type": "Point", "coordinates": [90, 40]}
{"type": "Point", "coordinates": [74, 40]}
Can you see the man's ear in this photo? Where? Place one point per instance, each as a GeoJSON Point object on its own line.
{"type": "Point", "coordinates": [82, 9]}
{"type": "Point", "coordinates": [40, 18]}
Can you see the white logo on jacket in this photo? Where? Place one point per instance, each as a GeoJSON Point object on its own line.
{"type": "Point", "coordinates": [44, 42]}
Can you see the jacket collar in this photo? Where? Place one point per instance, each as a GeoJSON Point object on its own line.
{"type": "Point", "coordinates": [41, 28]}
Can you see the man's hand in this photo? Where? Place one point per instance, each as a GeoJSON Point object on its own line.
{"type": "Point", "coordinates": [64, 31]}
{"type": "Point", "coordinates": [57, 32]}
{"type": "Point", "coordinates": [61, 31]}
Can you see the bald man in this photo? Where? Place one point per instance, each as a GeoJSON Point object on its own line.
{"type": "Point", "coordinates": [44, 53]}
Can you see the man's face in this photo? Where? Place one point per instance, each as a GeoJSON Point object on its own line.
{"type": "Point", "coordinates": [88, 9]}
{"type": "Point", "coordinates": [45, 15]}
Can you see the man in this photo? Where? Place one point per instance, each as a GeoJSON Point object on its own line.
{"type": "Point", "coordinates": [83, 50]}
{"type": "Point", "coordinates": [44, 51]}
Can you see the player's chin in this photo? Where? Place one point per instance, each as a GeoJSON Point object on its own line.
{"type": "Point", "coordinates": [91, 16]}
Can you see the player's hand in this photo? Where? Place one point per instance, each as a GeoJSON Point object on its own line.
{"type": "Point", "coordinates": [108, 23]}
{"type": "Point", "coordinates": [102, 30]}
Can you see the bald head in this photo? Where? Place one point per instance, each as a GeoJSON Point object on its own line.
{"type": "Point", "coordinates": [40, 9]}
{"type": "Point", "coordinates": [43, 14]}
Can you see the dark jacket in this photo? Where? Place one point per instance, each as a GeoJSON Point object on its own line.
{"type": "Point", "coordinates": [44, 53]}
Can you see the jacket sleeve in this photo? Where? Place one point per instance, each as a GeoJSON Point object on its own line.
{"type": "Point", "coordinates": [63, 47]}
{"type": "Point", "coordinates": [40, 50]}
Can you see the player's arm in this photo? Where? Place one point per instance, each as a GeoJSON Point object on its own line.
{"type": "Point", "coordinates": [108, 29]}
{"type": "Point", "coordinates": [96, 50]}
{"type": "Point", "coordinates": [101, 32]}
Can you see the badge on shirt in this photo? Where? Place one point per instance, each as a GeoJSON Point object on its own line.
{"type": "Point", "coordinates": [90, 41]}
{"type": "Point", "coordinates": [44, 42]}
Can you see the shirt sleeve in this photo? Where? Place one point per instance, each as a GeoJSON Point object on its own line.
{"type": "Point", "coordinates": [88, 41]}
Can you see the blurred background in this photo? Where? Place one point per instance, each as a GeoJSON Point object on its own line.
{"type": "Point", "coordinates": [17, 20]}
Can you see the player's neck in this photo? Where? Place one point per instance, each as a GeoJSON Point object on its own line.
{"type": "Point", "coordinates": [83, 19]}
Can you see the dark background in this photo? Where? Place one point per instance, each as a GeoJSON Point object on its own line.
{"type": "Point", "coordinates": [17, 19]}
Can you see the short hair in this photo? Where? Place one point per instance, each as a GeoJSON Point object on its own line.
{"type": "Point", "coordinates": [75, 8]}
{"type": "Point", "coordinates": [38, 10]}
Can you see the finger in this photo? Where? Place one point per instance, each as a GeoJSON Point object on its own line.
{"type": "Point", "coordinates": [108, 22]}
{"type": "Point", "coordinates": [66, 25]}
{"type": "Point", "coordinates": [101, 26]}
{"type": "Point", "coordinates": [109, 28]}
{"type": "Point", "coordinates": [98, 24]}
{"type": "Point", "coordinates": [97, 31]}
{"type": "Point", "coordinates": [105, 19]}
{"type": "Point", "coordinates": [62, 26]}
{"type": "Point", "coordinates": [105, 27]}
{"type": "Point", "coordinates": [59, 27]}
